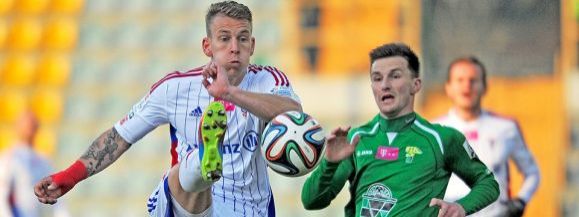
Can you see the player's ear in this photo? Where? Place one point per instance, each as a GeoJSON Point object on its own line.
{"type": "Point", "coordinates": [252, 45]}
{"type": "Point", "coordinates": [206, 45]}
{"type": "Point", "coordinates": [416, 85]}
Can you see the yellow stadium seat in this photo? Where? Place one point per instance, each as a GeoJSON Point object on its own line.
{"type": "Point", "coordinates": [7, 138]}
{"type": "Point", "coordinates": [18, 70]}
{"type": "Point", "coordinates": [53, 70]}
{"type": "Point", "coordinates": [3, 32]}
{"type": "Point", "coordinates": [61, 34]}
{"type": "Point", "coordinates": [45, 141]}
{"type": "Point", "coordinates": [31, 7]}
{"type": "Point", "coordinates": [47, 104]}
{"type": "Point", "coordinates": [12, 103]}
{"type": "Point", "coordinates": [71, 7]}
{"type": "Point", "coordinates": [5, 6]}
{"type": "Point", "coordinates": [24, 34]}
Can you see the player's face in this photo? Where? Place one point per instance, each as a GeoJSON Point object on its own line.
{"type": "Point", "coordinates": [393, 86]}
{"type": "Point", "coordinates": [230, 44]}
{"type": "Point", "coordinates": [465, 85]}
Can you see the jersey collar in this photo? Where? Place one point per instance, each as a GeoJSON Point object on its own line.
{"type": "Point", "coordinates": [396, 124]}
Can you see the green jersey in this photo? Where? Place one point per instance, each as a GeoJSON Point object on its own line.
{"type": "Point", "coordinates": [398, 166]}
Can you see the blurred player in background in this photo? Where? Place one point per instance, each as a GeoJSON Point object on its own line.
{"type": "Point", "coordinates": [21, 167]}
{"type": "Point", "coordinates": [398, 164]}
{"type": "Point", "coordinates": [495, 139]}
{"type": "Point", "coordinates": [201, 182]}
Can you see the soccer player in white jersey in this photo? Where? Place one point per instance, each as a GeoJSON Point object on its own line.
{"type": "Point", "coordinates": [251, 95]}
{"type": "Point", "coordinates": [21, 167]}
{"type": "Point", "coordinates": [495, 139]}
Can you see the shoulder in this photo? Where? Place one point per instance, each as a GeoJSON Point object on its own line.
{"type": "Point", "coordinates": [501, 122]}
{"type": "Point", "coordinates": [368, 128]}
{"type": "Point", "coordinates": [269, 73]}
{"type": "Point", "coordinates": [178, 76]}
{"type": "Point", "coordinates": [444, 134]}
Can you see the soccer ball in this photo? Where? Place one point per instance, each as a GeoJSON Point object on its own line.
{"type": "Point", "coordinates": [292, 143]}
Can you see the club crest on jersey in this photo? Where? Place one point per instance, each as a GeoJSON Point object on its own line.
{"type": "Point", "coordinates": [377, 201]}
{"type": "Point", "coordinates": [229, 106]}
{"type": "Point", "coordinates": [251, 141]}
{"type": "Point", "coordinates": [412, 151]}
{"type": "Point", "coordinates": [387, 153]}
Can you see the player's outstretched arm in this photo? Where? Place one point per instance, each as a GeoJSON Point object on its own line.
{"type": "Point", "coordinates": [334, 170]}
{"type": "Point", "coordinates": [105, 150]}
{"type": "Point", "coordinates": [265, 106]}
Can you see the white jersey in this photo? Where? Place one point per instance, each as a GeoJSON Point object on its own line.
{"type": "Point", "coordinates": [495, 140]}
{"type": "Point", "coordinates": [179, 100]}
{"type": "Point", "coordinates": [22, 167]}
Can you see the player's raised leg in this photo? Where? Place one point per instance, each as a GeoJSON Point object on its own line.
{"type": "Point", "coordinates": [213, 126]}
{"type": "Point", "coordinates": [189, 182]}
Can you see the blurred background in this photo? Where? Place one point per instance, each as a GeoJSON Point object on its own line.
{"type": "Point", "coordinates": [80, 65]}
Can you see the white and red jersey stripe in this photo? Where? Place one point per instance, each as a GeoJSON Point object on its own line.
{"type": "Point", "coordinates": [179, 100]}
{"type": "Point", "coordinates": [496, 140]}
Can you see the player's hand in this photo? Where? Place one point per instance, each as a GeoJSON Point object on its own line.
{"type": "Point", "coordinates": [337, 146]}
{"type": "Point", "coordinates": [48, 191]}
{"type": "Point", "coordinates": [216, 80]}
{"type": "Point", "coordinates": [515, 207]}
{"type": "Point", "coordinates": [447, 209]}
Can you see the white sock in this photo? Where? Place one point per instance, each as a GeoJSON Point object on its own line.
{"type": "Point", "coordinates": [190, 173]}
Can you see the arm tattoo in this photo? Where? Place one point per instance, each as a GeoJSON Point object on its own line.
{"type": "Point", "coordinates": [104, 151]}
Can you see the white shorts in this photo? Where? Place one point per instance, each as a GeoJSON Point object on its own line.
{"type": "Point", "coordinates": [162, 204]}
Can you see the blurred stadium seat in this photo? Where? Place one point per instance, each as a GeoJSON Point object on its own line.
{"type": "Point", "coordinates": [61, 33]}
{"type": "Point", "coordinates": [12, 103]}
{"type": "Point", "coordinates": [31, 7]}
{"type": "Point", "coordinates": [53, 70]}
{"type": "Point", "coordinates": [25, 34]}
{"type": "Point", "coordinates": [68, 7]}
{"type": "Point", "coordinates": [18, 70]}
{"type": "Point", "coordinates": [3, 32]}
{"type": "Point", "coordinates": [5, 6]}
{"type": "Point", "coordinates": [47, 104]}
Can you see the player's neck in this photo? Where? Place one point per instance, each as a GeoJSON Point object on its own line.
{"type": "Point", "coordinates": [236, 80]}
{"type": "Point", "coordinates": [468, 114]}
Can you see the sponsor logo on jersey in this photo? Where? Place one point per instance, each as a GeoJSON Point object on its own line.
{"type": "Point", "coordinates": [283, 91]}
{"type": "Point", "coordinates": [377, 201]}
{"type": "Point", "coordinates": [364, 153]}
{"type": "Point", "coordinates": [251, 141]}
{"type": "Point", "coordinates": [197, 112]}
{"type": "Point", "coordinates": [412, 151]}
{"type": "Point", "coordinates": [387, 153]}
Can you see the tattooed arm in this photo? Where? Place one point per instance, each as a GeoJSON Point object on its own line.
{"type": "Point", "coordinates": [105, 150]}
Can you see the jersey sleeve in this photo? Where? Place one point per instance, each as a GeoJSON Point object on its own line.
{"type": "Point", "coordinates": [274, 81]}
{"type": "Point", "coordinates": [525, 163]}
{"type": "Point", "coordinates": [326, 182]}
{"type": "Point", "coordinates": [461, 159]}
{"type": "Point", "coordinates": [146, 115]}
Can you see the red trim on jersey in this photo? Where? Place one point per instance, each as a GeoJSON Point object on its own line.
{"type": "Point", "coordinates": [283, 75]}
{"type": "Point", "coordinates": [177, 74]}
{"type": "Point", "coordinates": [267, 68]}
{"type": "Point", "coordinates": [174, 142]}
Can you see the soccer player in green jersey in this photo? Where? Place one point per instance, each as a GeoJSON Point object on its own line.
{"type": "Point", "coordinates": [398, 164]}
